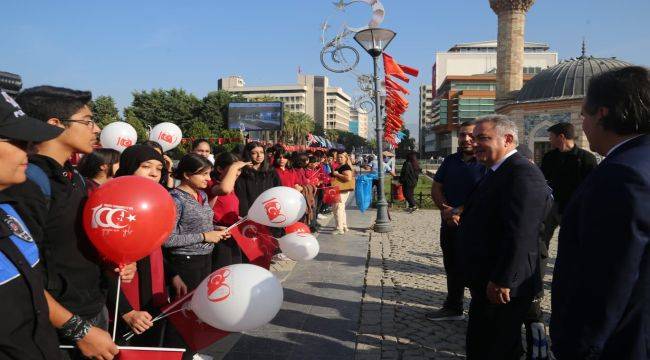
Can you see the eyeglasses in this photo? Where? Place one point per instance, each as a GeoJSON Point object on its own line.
{"type": "Point", "coordinates": [21, 144]}
{"type": "Point", "coordinates": [89, 123]}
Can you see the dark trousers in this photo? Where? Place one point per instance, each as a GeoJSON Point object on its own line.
{"type": "Point", "coordinates": [451, 258]}
{"type": "Point", "coordinates": [494, 331]}
{"type": "Point", "coordinates": [409, 194]}
{"type": "Point", "coordinates": [552, 221]}
{"type": "Point", "coordinates": [226, 252]}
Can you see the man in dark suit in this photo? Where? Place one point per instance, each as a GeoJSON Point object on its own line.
{"type": "Point", "coordinates": [601, 283]}
{"type": "Point", "coordinates": [499, 230]}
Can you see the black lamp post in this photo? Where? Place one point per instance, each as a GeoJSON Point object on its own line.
{"type": "Point", "coordinates": [375, 41]}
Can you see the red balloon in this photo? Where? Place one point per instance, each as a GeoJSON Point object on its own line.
{"type": "Point", "coordinates": [297, 227]}
{"type": "Point", "coordinates": [128, 217]}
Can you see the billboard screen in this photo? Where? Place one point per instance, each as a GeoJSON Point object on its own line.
{"type": "Point", "coordinates": [254, 116]}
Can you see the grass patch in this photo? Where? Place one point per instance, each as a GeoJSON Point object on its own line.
{"type": "Point", "coordinates": [422, 194]}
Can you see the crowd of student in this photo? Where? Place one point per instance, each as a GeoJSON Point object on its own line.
{"type": "Point", "coordinates": [65, 284]}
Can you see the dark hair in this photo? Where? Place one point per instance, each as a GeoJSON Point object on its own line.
{"type": "Point", "coordinates": [90, 165]}
{"type": "Point", "coordinates": [563, 128]}
{"type": "Point", "coordinates": [47, 102]}
{"type": "Point", "coordinates": [281, 153]}
{"type": "Point", "coordinates": [246, 156]}
{"type": "Point", "coordinates": [218, 149]}
{"type": "Point", "coordinates": [238, 149]}
{"type": "Point", "coordinates": [468, 123]}
{"type": "Point", "coordinates": [197, 142]}
{"type": "Point", "coordinates": [412, 158]}
{"type": "Point", "coordinates": [300, 160]}
{"type": "Point", "coordinates": [191, 164]}
{"type": "Point", "coordinates": [331, 152]}
{"type": "Point", "coordinates": [154, 145]}
{"type": "Point", "coordinates": [225, 159]}
{"type": "Point", "coordinates": [625, 93]}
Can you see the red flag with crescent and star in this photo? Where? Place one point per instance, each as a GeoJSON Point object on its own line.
{"type": "Point", "coordinates": [256, 242]}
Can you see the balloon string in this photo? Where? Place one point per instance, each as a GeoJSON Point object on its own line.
{"type": "Point", "coordinates": [163, 314]}
{"type": "Point", "coordinates": [131, 334]}
{"type": "Point", "coordinates": [117, 304]}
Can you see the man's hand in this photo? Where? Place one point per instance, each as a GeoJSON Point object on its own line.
{"type": "Point", "coordinates": [180, 289]}
{"type": "Point", "coordinates": [127, 272]}
{"type": "Point", "coordinates": [97, 344]}
{"type": "Point", "coordinates": [454, 221]}
{"type": "Point", "coordinates": [138, 321]}
{"type": "Point", "coordinates": [446, 212]}
{"type": "Point", "coordinates": [497, 294]}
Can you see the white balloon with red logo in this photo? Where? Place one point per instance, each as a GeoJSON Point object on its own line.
{"type": "Point", "coordinates": [167, 134]}
{"type": "Point", "coordinates": [299, 246]}
{"type": "Point", "coordinates": [238, 298]}
{"type": "Point", "coordinates": [118, 135]}
{"type": "Point", "coordinates": [279, 206]}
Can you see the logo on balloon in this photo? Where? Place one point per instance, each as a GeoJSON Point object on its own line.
{"type": "Point", "coordinates": [125, 142]}
{"type": "Point", "coordinates": [112, 218]}
{"type": "Point", "coordinates": [272, 207]}
{"type": "Point", "coordinates": [218, 290]}
{"type": "Point", "coordinates": [166, 137]}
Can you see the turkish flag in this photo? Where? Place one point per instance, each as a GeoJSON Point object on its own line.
{"type": "Point", "coordinates": [331, 195]}
{"type": "Point", "coordinates": [196, 334]}
{"type": "Point", "coordinates": [397, 97]}
{"type": "Point", "coordinates": [409, 70]}
{"type": "Point", "coordinates": [390, 84]}
{"type": "Point", "coordinates": [392, 68]}
{"type": "Point", "coordinates": [256, 242]}
{"type": "Point", "coordinates": [147, 353]}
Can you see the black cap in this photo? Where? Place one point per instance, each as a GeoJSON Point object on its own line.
{"type": "Point", "coordinates": [15, 125]}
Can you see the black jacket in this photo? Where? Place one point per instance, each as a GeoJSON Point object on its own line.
{"type": "Point", "coordinates": [409, 176]}
{"type": "Point", "coordinates": [500, 225]}
{"type": "Point", "coordinates": [564, 172]}
{"type": "Point", "coordinates": [601, 282]}
{"type": "Point", "coordinates": [251, 184]}
{"type": "Point", "coordinates": [72, 272]}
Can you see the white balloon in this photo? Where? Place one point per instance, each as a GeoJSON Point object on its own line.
{"type": "Point", "coordinates": [280, 206]}
{"type": "Point", "coordinates": [238, 298]}
{"type": "Point", "coordinates": [118, 135]}
{"type": "Point", "coordinates": [299, 246]}
{"type": "Point", "coordinates": [167, 134]}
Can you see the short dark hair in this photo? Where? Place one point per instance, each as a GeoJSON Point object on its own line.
{"type": "Point", "coordinates": [563, 128]}
{"type": "Point", "coordinates": [197, 142]}
{"type": "Point", "coordinates": [191, 164]}
{"type": "Point", "coordinates": [625, 92]}
{"type": "Point", "coordinates": [468, 123]}
{"type": "Point", "coordinates": [47, 102]}
{"type": "Point", "coordinates": [90, 165]}
{"type": "Point", "coordinates": [225, 159]}
{"type": "Point", "coordinates": [154, 145]}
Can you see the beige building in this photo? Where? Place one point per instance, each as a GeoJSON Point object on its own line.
{"type": "Point", "coordinates": [425, 114]}
{"type": "Point", "coordinates": [312, 95]}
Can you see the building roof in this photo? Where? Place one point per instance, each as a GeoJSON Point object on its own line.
{"type": "Point", "coordinates": [566, 80]}
{"type": "Point", "coordinates": [493, 44]}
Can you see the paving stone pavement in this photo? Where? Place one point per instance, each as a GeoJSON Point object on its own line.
{"type": "Point", "coordinates": [404, 280]}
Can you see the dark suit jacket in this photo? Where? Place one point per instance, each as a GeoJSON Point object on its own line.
{"type": "Point", "coordinates": [500, 226]}
{"type": "Point", "coordinates": [601, 283]}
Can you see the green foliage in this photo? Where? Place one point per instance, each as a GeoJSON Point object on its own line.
{"type": "Point", "coordinates": [104, 110]}
{"type": "Point", "coordinates": [407, 145]}
{"type": "Point", "coordinates": [264, 98]}
{"type": "Point", "coordinates": [347, 139]}
{"type": "Point", "coordinates": [140, 128]}
{"type": "Point", "coordinates": [296, 127]}
{"type": "Point", "coordinates": [214, 108]}
{"type": "Point", "coordinates": [175, 106]}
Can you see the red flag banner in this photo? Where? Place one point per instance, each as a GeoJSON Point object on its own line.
{"type": "Point", "coordinates": [147, 353]}
{"type": "Point", "coordinates": [409, 70]}
{"type": "Point", "coordinates": [390, 84]}
{"type": "Point", "coordinates": [392, 68]}
{"type": "Point", "coordinates": [196, 334]}
{"type": "Point", "coordinates": [256, 242]}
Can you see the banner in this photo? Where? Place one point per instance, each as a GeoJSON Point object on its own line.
{"type": "Point", "coordinates": [256, 242]}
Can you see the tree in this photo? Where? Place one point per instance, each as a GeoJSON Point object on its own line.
{"type": "Point", "coordinates": [175, 106]}
{"type": "Point", "coordinates": [214, 108]}
{"type": "Point", "coordinates": [140, 128]}
{"type": "Point", "coordinates": [406, 145]}
{"type": "Point", "coordinates": [296, 127]}
{"type": "Point", "coordinates": [104, 110]}
{"type": "Point", "coordinates": [264, 98]}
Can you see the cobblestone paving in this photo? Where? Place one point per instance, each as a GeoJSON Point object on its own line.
{"type": "Point", "coordinates": [405, 279]}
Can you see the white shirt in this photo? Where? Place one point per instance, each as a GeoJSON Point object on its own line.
{"type": "Point", "coordinates": [621, 143]}
{"type": "Point", "coordinates": [496, 166]}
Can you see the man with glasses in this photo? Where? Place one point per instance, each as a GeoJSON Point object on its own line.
{"type": "Point", "coordinates": [54, 197]}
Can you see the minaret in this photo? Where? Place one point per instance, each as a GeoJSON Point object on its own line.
{"type": "Point", "coordinates": [510, 45]}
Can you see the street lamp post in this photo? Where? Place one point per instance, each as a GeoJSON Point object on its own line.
{"type": "Point", "coordinates": [374, 41]}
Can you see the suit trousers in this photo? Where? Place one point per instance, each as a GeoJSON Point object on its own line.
{"type": "Point", "coordinates": [494, 331]}
{"type": "Point", "coordinates": [451, 259]}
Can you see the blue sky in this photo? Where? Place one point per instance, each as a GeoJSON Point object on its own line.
{"type": "Point", "coordinates": [116, 47]}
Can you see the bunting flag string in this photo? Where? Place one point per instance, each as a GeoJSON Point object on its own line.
{"type": "Point", "coordinates": [396, 103]}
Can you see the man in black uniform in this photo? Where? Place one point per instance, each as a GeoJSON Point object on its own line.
{"type": "Point", "coordinates": [25, 329]}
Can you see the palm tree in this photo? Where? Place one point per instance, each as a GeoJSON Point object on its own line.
{"type": "Point", "coordinates": [296, 127]}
